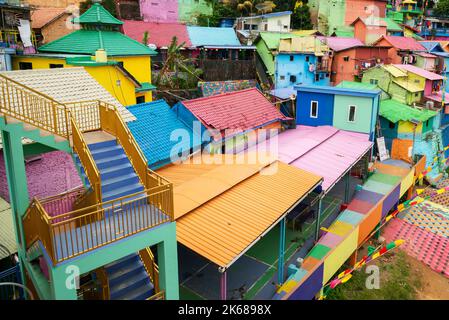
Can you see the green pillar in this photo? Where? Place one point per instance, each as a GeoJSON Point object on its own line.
{"type": "Point", "coordinates": [281, 252]}
{"type": "Point", "coordinates": [64, 281]}
{"type": "Point", "coordinates": [17, 186]}
{"type": "Point", "coordinates": [167, 252]}
{"type": "Point", "coordinates": [318, 218]}
{"type": "Point", "coordinates": [347, 179]}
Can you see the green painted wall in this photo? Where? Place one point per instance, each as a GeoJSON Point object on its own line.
{"type": "Point", "coordinates": [266, 56]}
{"type": "Point", "coordinates": [329, 14]}
{"type": "Point", "coordinates": [363, 113]}
{"type": "Point", "coordinates": [188, 10]}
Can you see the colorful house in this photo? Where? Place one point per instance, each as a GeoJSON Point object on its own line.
{"type": "Point", "coordinates": [402, 48]}
{"type": "Point", "coordinates": [396, 122]}
{"type": "Point", "coordinates": [305, 60]}
{"type": "Point", "coordinates": [121, 64]}
{"type": "Point", "coordinates": [269, 22]}
{"type": "Point", "coordinates": [395, 82]}
{"type": "Point", "coordinates": [234, 118]}
{"type": "Point", "coordinates": [349, 64]}
{"type": "Point", "coordinates": [50, 24]}
{"type": "Point", "coordinates": [170, 11]}
{"type": "Point", "coordinates": [329, 16]}
{"type": "Point", "coordinates": [220, 54]}
{"type": "Point", "coordinates": [442, 65]}
{"type": "Point", "coordinates": [369, 29]}
{"type": "Point", "coordinates": [411, 12]}
{"type": "Point", "coordinates": [435, 28]}
{"type": "Point", "coordinates": [430, 82]}
{"type": "Point", "coordinates": [354, 110]}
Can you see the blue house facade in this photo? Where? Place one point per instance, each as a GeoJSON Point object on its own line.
{"type": "Point", "coordinates": [300, 69]}
{"type": "Point", "coordinates": [353, 110]}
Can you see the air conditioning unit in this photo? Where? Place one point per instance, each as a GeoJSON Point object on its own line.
{"type": "Point", "coordinates": [430, 104]}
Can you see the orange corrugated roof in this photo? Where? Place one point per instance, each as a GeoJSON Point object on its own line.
{"type": "Point", "coordinates": [226, 226]}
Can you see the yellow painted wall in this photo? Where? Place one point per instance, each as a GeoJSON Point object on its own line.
{"type": "Point", "coordinates": [422, 81]}
{"type": "Point", "coordinates": [407, 127]}
{"type": "Point", "coordinates": [107, 76]}
{"type": "Point", "coordinates": [407, 182]}
{"type": "Point", "coordinates": [340, 254]}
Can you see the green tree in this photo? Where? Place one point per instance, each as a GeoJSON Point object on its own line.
{"type": "Point", "coordinates": [146, 37]}
{"type": "Point", "coordinates": [442, 8]}
{"type": "Point", "coordinates": [301, 18]}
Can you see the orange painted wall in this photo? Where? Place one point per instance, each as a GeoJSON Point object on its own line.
{"type": "Point", "coordinates": [392, 53]}
{"type": "Point", "coordinates": [370, 222]}
{"type": "Point", "coordinates": [364, 8]}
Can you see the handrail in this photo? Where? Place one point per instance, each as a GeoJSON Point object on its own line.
{"type": "Point", "coordinates": [152, 269]}
{"type": "Point", "coordinates": [158, 296]}
{"type": "Point", "coordinates": [87, 160]}
{"type": "Point", "coordinates": [72, 234]}
{"type": "Point", "coordinates": [104, 282]}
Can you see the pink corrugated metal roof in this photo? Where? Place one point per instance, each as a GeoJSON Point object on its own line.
{"type": "Point", "coordinates": [240, 110]}
{"type": "Point", "coordinates": [404, 43]}
{"type": "Point", "coordinates": [325, 151]}
{"type": "Point", "coordinates": [338, 43]}
{"type": "Point", "coordinates": [438, 97]}
{"type": "Point", "coordinates": [160, 34]}
{"type": "Point", "coordinates": [419, 71]}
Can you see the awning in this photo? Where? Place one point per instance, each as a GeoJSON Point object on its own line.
{"type": "Point", "coordinates": [224, 227]}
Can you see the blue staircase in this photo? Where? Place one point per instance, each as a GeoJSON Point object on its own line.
{"type": "Point", "coordinates": [118, 178]}
{"type": "Point", "coordinates": [128, 279]}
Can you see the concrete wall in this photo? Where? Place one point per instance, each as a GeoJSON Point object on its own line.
{"type": "Point", "coordinates": [159, 10]}
{"type": "Point", "coordinates": [57, 29]}
{"type": "Point", "coordinates": [363, 114]}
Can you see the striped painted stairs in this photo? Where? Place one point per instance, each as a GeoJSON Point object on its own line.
{"type": "Point", "coordinates": [128, 279]}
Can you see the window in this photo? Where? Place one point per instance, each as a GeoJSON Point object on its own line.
{"type": "Point", "coordinates": [307, 58]}
{"type": "Point", "coordinates": [391, 125]}
{"type": "Point", "coordinates": [416, 80]}
{"type": "Point", "coordinates": [140, 99]}
{"type": "Point", "coordinates": [346, 58]}
{"type": "Point", "coordinates": [373, 81]}
{"type": "Point", "coordinates": [351, 114]}
{"type": "Point", "coordinates": [282, 77]}
{"type": "Point", "coordinates": [56, 66]}
{"type": "Point", "coordinates": [25, 65]}
{"type": "Point", "coordinates": [293, 79]}
{"type": "Point", "coordinates": [314, 109]}
{"type": "Point", "coordinates": [292, 58]}
{"type": "Point", "coordinates": [317, 77]}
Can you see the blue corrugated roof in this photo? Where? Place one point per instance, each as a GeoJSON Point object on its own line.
{"type": "Point", "coordinates": [431, 46]}
{"type": "Point", "coordinates": [271, 15]}
{"type": "Point", "coordinates": [153, 129]}
{"type": "Point", "coordinates": [337, 90]}
{"type": "Point", "coordinates": [205, 36]}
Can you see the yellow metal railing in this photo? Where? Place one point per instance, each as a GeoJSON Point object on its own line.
{"type": "Point", "coordinates": [151, 267]}
{"type": "Point", "coordinates": [90, 168]}
{"type": "Point", "coordinates": [158, 296]}
{"type": "Point", "coordinates": [12, 36]}
{"type": "Point", "coordinates": [72, 234]}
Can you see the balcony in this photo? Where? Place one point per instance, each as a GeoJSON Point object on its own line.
{"type": "Point", "coordinates": [66, 235]}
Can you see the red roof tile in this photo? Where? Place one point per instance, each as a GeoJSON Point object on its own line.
{"type": "Point", "coordinates": [160, 34]}
{"type": "Point", "coordinates": [239, 111]}
{"type": "Point", "coordinates": [404, 43]}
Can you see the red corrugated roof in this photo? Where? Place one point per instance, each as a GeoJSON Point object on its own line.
{"type": "Point", "coordinates": [239, 110]}
{"type": "Point", "coordinates": [404, 43]}
{"type": "Point", "coordinates": [160, 34]}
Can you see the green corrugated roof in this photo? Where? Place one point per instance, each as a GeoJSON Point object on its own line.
{"type": "Point", "coordinates": [97, 14]}
{"type": "Point", "coordinates": [89, 41]}
{"type": "Point", "coordinates": [146, 86]}
{"type": "Point", "coordinates": [391, 24]}
{"type": "Point", "coordinates": [344, 34]}
{"type": "Point", "coordinates": [396, 111]}
{"type": "Point", "coordinates": [272, 38]}
{"type": "Point", "coordinates": [357, 85]}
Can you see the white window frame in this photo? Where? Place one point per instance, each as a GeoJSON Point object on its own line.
{"type": "Point", "coordinates": [311, 109]}
{"type": "Point", "coordinates": [349, 113]}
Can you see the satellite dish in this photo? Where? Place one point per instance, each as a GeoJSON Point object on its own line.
{"type": "Point", "coordinates": [152, 46]}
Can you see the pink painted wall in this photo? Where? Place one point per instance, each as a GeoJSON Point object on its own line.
{"type": "Point", "coordinates": [428, 88]}
{"type": "Point", "coordinates": [54, 174]}
{"type": "Point", "coordinates": [159, 10]}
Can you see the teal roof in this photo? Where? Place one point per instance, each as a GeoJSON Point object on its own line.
{"type": "Point", "coordinates": [97, 14]}
{"type": "Point", "coordinates": [89, 41]}
{"type": "Point", "coordinates": [146, 86]}
{"type": "Point", "coordinates": [205, 36]}
{"type": "Point", "coordinates": [395, 111]}
{"type": "Point", "coordinates": [153, 129]}
{"type": "Point", "coordinates": [357, 85]}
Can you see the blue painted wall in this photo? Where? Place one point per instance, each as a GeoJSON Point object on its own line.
{"type": "Point", "coordinates": [188, 118]}
{"type": "Point", "coordinates": [299, 68]}
{"type": "Point", "coordinates": [325, 109]}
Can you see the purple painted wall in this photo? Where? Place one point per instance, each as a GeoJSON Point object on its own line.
{"type": "Point", "coordinates": [54, 174]}
{"type": "Point", "coordinates": [159, 11]}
